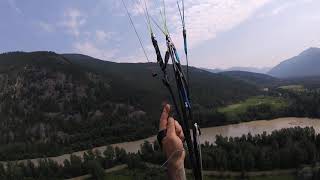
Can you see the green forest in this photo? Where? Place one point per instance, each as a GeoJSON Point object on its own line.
{"type": "Point", "coordinates": [52, 104]}
{"type": "Point", "coordinates": [291, 148]}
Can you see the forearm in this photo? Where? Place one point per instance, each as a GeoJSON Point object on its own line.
{"type": "Point", "coordinates": [176, 172]}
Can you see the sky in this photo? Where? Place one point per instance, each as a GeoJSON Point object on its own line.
{"type": "Point", "coordinates": [221, 33]}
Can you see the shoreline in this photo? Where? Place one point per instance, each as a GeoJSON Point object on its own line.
{"type": "Point", "coordinates": [232, 130]}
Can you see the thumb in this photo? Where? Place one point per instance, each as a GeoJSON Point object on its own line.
{"type": "Point", "coordinates": [164, 117]}
{"type": "Point", "coordinates": [171, 130]}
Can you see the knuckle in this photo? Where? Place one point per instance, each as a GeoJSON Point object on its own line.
{"type": "Point", "coordinates": [171, 119]}
{"type": "Point", "coordinates": [169, 138]}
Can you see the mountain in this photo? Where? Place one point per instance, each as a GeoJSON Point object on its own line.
{"type": "Point", "coordinates": [305, 64]}
{"type": "Point", "coordinates": [52, 104]}
{"type": "Point", "coordinates": [246, 69]}
{"type": "Point", "coordinates": [261, 80]}
{"type": "Point", "coordinates": [250, 69]}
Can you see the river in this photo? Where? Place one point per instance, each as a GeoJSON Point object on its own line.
{"type": "Point", "coordinates": [237, 130]}
{"type": "Point", "coordinates": [209, 134]}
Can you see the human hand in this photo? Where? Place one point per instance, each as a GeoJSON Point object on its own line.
{"type": "Point", "coordinates": [172, 143]}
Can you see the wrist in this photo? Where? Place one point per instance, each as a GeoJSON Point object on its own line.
{"type": "Point", "coordinates": [177, 162]}
{"type": "Point", "coordinates": [176, 171]}
{"type": "Point", "coordinates": [176, 165]}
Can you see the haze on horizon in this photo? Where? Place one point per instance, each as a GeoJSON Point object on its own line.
{"type": "Point", "coordinates": [222, 33]}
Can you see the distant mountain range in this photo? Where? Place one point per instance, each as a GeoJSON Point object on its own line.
{"type": "Point", "coordinates": [306, 64]}
{"type": "Point", "coordinates": [258, 79]}
{"type": "Point", "coordinates": [247, 69]}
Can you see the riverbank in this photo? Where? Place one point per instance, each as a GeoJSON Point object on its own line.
{"type": "Point", "coordinates": [208, 134]}
{"type": "Point", "coordinates": [280, 174]}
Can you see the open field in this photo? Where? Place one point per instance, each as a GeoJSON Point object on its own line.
{"type": "Point", "coordinates": [281, 177]}
{"type": "Point", "coordinates": [234, 110]}
{"type": "Point", "coordinates": [296, 88]}
{"type": "Point", "coordinates": [159, 175]}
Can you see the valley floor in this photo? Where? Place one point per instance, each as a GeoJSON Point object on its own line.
{"type": "Point", "coordinates": [209, 134]}
{"type": "Point", "coordinates": [121, 172]}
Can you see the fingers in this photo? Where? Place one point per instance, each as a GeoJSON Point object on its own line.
{"type": "Point", "coordinates": [164, 117]}
{"type": "Point", "coordinates": [171, 129]}
{"type": "Point", "coordinates": [179, 131]}
{"type": "Point", "coordinates": [172, 126]}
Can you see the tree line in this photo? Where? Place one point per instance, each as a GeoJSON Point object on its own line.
{"type": "Point", "coordinates": [304, 104]}
{"type": "Point", "coordinates": [113, 128]}
{"type": "Point", "coordinates": [300, 104]}
{"type": "Point", "coordinates": [282, 149]}
{"type": "Point", "coordinates": [92, 162]}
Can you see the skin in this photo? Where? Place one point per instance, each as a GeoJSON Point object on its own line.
{"type": "Point", "coordinates": [173, 145]}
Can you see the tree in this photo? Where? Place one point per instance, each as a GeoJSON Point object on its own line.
{"type": "Point", "coordinates": [96, 170]}
{"type": "Point", "coordinates": [99, 157]}
{"type": "Point", "coordinates": [109, 156]}
{"type": "Point", "coordinates": [67, 169]}
{"type": "Point", "coordinates": [134, 161]}
{"type": "Point", "coordinates": [76, 166]}
{"type": "Point", "coordinates": [121, 155]}
{"type": "Point", "coordinates": [30, 169]}
{"type": "Point", "coordinates": [2, 171]}
{"type": "Point", "coordinates": [146, 150]}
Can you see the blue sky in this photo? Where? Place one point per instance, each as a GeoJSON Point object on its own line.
{"type": "Point", "coordinates": [222, 33]}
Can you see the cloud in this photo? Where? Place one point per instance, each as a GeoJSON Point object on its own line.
{"type": "Point", "coordinates": [282, 7]}
{"type": "Point", "coordinates": [14, 6]}
{"type": "Point", "coordinates": [108, 7]}
{"type": "Point", "coordinates": [89, 48]}
{"type": "Point", "coordinates": [204, 18]}
{"type": "Point", "coordinates": [73, 20]}
{"type": "Point", "coordinates": [138, 7]}
{"type": "Point", "coordinates": [87, 41]}
{"type": "Point", "coordinates": [138, 58]}
{"type": "Point", "coordinates": [102, 35]}
{"type": "Point", "coordinates": [47, 27]}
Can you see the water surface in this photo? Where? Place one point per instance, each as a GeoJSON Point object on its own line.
{"type": "Point", "coordinates": [237, 130]}
{"type": "Point", "coordinates": [209, 134]}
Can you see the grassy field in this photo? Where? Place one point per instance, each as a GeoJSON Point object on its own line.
{"type": "Point", "coordinates": [154, 174]}
{"type": "Point", "coordinates": [276, 103]}
{"type": "Point", "coordinates": [149, 173]}
{"type": "Point", "coordinates": [284, 177]}
{"type": "Point", "coordinates": [296, 88]}
{"type": "Point", "coordinates": [256, 178]}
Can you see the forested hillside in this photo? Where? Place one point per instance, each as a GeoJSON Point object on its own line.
{"type": "Point", "coordinates": [261, 80]}
{"type": "Point", "coordinates": [51, 104]}
{"type": "Point", "coordinates": [267, 81]}
{"type": "Point", "coordinates": [303, 65]}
